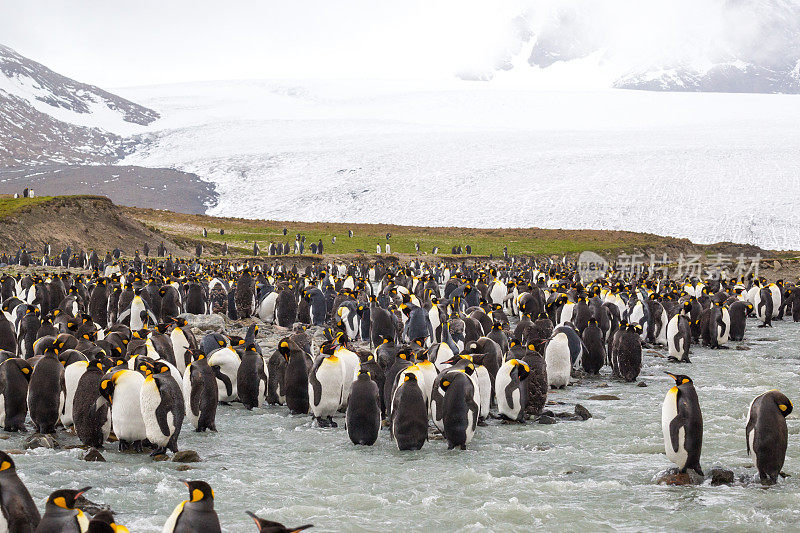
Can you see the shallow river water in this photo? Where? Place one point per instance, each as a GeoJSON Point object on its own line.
{"type": "Point", "coordinates": [592, 475]}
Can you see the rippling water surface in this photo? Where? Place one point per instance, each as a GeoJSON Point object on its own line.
{"type": "Point", "coordinates": [593, 475]}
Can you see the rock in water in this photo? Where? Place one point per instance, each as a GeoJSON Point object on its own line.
{"type": "Point", "coordinates": [673, 477]}
{"type": "Point", "coordinates": [641, 384]}
{"type": "Point", "coordinates": [582, 412]}
{"type": "Point", "coordinates": [186, 456]}
{"type": "Point", "coordinates": [544, 419]}
{"type": "Point", "coordinates": [721, 476]}
{"type": "Point", "coordinates": [603, 397]}
{"type": "Point", "coordinates": [94, 455]}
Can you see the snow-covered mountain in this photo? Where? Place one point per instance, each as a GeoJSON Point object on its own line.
{"type": "Point", "coordinates": [48, 118]}
{"type": "Point", "coordinates": [750, 46]}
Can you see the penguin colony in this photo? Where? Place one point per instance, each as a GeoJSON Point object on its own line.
{"type": "Point", "coordinates": [403, 346]}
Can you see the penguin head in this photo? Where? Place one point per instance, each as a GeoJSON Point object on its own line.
{"type": "Point", "coordinates": [65, 498]}
{"type": "Point", "coordinates": [327, 349]}
{"type": "Point", "coordinates": [6, 464]}
{"type": "Point", "coordinates": [160, 367]}
{"type": "Point", "coordinates": [162, 328]}
{"type": "Point", "coordinates": [199, 491]}
{"type": "Point", "coordinates": [522, 368]}
{"type": "Point", "coordinates": [680, 379]}
{"type": "Point", "coordinates": [784, 404]}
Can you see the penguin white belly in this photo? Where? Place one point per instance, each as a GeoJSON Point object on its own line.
{"type": "Point", "coordinates": [331, 377]}
{"type": "Point", "coordinates": [429, 374]}
{"type": "Point", "coordinates": [126, 412]}
{"type": "Point", "coordinates": [179, 346]}
{"type": "Point", "coordinates": [149, 401]}
{"type": "Point", "coordinates": [501, 381]}
{"type": "Point", "coordinates": [266, 310]}
{"type": "Point", "coordinates": [661, 338]}
{"type": "Point", "coordinates": [558, 360]}
{"type": "Point", "coordinates": [136, 316]}
{"type": "Point", "coordinates": [674, 350]}
{"type": "Point", "coordinates": [443, 353]}
{"type": "Point", "coordinates": [484, 390]}
{"type": "Point", "coordinates": [722, 337]}
{"type": "Point", "coordinates": [498, 292]}
{"type": "Point", "coordinates": [172, 521]}
{"type": "Point", "coordinates": [668, 413]}
{"type": "Point", "coordinates": [227, 360]}
{"type": "Point", "coordinates": [3, 524]}
{"type": "Point", "coordinates": [775, 291]}
{"type": "Point", "coordinates": [433, 316]}
{"type": "Point", "coordinates": [2, 412]}
{"type": "Point", "coordinates": [352, 364]}
{"type": "Point", "coordinates": [72, 374]}
{"type": "Point", "coordinates": [566, 313]}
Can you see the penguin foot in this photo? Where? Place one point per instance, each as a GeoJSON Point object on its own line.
{"type": "Point", "coordinates": [332, 423]}
{"type": "Point", "coordinates": [482, 422]}
{"type": "Point", "coordinates": [137, 446]}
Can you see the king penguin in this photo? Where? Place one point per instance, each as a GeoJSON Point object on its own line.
{"type": "Point", "coordinates": [682, 424]}
{"type": "Point", "coordinates": [19, 512]}
{"type": "Point", "coordinates": [767, 435]}
{"type": "Point", "coordinates": [60, 514]}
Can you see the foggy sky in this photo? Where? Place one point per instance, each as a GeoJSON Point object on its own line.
{"type": "Point", "coordinates": [115, 44]}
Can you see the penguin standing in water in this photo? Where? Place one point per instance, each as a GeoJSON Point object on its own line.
{"type": "Point", "coordinates": [679, 335]}
{"type": "Point", "coordinates": [162, 407]}
{"type": "Point", "coordinates": [14, 376]}
{"type": "Point", "coordinates": [195, 514]}
{"type": "Point", "coordinates": [682, 424]}
{"type": "Point", "coordinates": [627, 352]}
{"type": "Point", "coordinates": [90, 410]}
{"type": "Point", "coordinates": [459, 410]}
{"type": "Point", "coordinates": [326, 386]}
{"type": "Point", "coordinates": [557, 357]}
{"type": "Point", "coordinates": [363, 415]}
{"type": "Point", "coordinates": [252, 378]}
{"type": "Point", "coordinates": [764, 307]}
{"type": "Point", "coordinates": [60, 514]}
{"type": "Point", "coordinates": [200, 394]}
{"type": "Point", "coordinates": [409, 415]}
{"type": "Point", "coordinates": [46, 392]}
{"type": "Point", "coordinates": [738, 312]}
{"type": "Point", "coordinates": [511, 390]}
{"type": "Point", "coordinates": [595, 355]}
{"type": "Point", "coordinates": [767, 435]}
{"type": "Point", "coordinates": [295, 385]}
{"type": "Point", "coordinates": [536, 382]}
{"type": "Point", "coordinates": [123, 391]}
{"type": "Point", "coordinates": [19, 512]}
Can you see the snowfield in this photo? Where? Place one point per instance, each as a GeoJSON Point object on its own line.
{"type": "Point", "coordinates": [710, 167]}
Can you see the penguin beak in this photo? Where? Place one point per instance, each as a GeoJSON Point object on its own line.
{"type": "Point", "coordinates": [81, 491]}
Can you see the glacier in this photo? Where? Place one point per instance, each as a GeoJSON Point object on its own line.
{"type": "Point", "coordinates": [710, 167]}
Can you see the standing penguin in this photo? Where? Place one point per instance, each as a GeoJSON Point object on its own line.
{"type": "Point", "coordinates": [245, 294]}
{"type": "Point", "coordinates": [459, 410]}
{"type": "Point", "coordinates": [225, 364]}
{"type": "Point", "coordinates": [162, 408]}
{"type": "Point", "coordinates": [738, 312]}
{"type": "Point", "coordinates": [14, 376]}
{"type": "Point", "coordinates": [123, 391]}
{"type": "Point", "coordinates": [557, 357]}
{"type": "Point", "coordinates": [60, 514]}
{"type": "Point", "coordinates": [682, 424]}
{"type": "Point", "coordinates": [98, 302]}
{"type": "Point", "coordinates": [627, 352]}
{"type": "Point", "coordinates": [363, 415]}
{"type": "Point", "coordinates": [326, 386]}
{"type": "Point", "coordinates": [536, 382]}
{"type": "Point", "coordinates": [409, 415]}
{"type": "Point", "coordinates": [511, 390]}
{"type": "Point", "coordinates": [295, 384]}
{"type": "Point", "coordinates": [252, 378]}
{"type": "Point", "coordinates": [767, 435]}
{"type": "Point", "coordinates": [19, 512]}
{"type": "Point", "coordinates": [90, 410]}
{"type": "Point", "coordinates": [595, 355]}
{"type": "Point", "coordinates": [679, 335]}
{"type": "Point", "coordinates": [200, 394]}
{"type": "Point", "coordinates": [195, 514]}
{"type": "Point", "coordinates": [46, 392]}
{"type": "Point", "coordinates": [286, 308]}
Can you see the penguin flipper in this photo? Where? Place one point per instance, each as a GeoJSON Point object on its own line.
{"type": "Point", "coordinates": [161, 417]}
{"type": "Point", "coordinates": [674, 427]}
{"type": "Point", "coordinates": [125, 314]}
